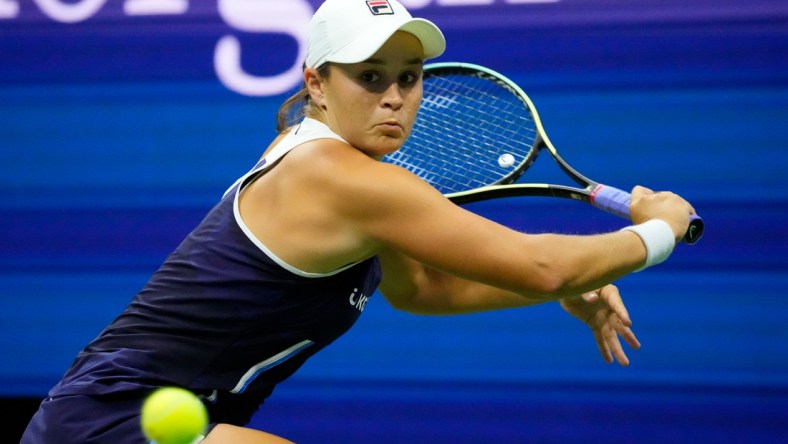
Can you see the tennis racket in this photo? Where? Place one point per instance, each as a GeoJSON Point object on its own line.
{"type": "Point", "coordinates": [477, 132]}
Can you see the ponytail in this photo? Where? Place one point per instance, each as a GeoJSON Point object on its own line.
{"type": "Point", "coordinates": [296, 107]}
{"type": "Point", "coordinates": [292, 110]}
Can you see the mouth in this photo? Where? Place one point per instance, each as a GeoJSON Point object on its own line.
{"type": "Point", "coordinates": [391, 128]}
{"type": "Point", "coordinates": [392, 124]}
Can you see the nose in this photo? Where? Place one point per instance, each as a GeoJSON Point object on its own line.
{"type": "Point", "coordinates": [392, 97]}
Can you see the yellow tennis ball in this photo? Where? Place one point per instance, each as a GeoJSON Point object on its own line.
{"type": "Point", "coordinates": [172, 415]}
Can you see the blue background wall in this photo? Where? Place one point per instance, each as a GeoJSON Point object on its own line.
{"type": "Point", "coordinates": [118, 132]}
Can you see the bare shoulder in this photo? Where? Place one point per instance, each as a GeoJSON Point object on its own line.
{"type": "Point", "coordinates": [385, 202]}
{"type": "Point", "coordinates": [352, 177]}
{"type": "Point", "coordinates": [331, 156]}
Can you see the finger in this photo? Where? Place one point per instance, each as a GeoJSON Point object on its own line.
{"type": "Point", "coordinates": [639, 190]}
{"type": "Point", "coordinates": [612, 298]}
{"type": "Point", "coordinates": [629, 337]}
{"type": "Point", "coordinates": [591, 296]}
{"type": "Point", "coordinates": [604, 350]}
{"type": "Point", "coordinates": [613, 344]}
{"type": "Point", "coordinates": [621, 356]}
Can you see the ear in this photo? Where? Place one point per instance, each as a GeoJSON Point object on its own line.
{"type": "Point", "coordinates": [314, 84]}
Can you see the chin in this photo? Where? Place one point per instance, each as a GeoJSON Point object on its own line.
{"type": "Point", "coordinates": [381, 146]}
{"type": "Point", "coordinates": [391, 144]}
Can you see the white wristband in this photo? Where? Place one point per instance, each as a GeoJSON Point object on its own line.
{"type": "Point", "coordinates": [658, 238]}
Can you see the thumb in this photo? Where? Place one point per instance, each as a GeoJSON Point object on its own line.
{"type": "Point", "coordinates": [591, 296]}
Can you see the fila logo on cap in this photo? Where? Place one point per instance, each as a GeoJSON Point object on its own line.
{"type": "Point", "coordinates": [379, 7]}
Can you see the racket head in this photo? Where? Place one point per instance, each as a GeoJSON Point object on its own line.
{"type": "Point", "coordinates": [475, 128]}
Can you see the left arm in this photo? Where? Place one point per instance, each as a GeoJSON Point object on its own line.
{"type": "Point", "coordinates": [603, 311]}
{"type": "Point", "coordinates": [432, 292]}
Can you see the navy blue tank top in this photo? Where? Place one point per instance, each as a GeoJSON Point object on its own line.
{"type": "Point", "coordinates": [223, 316]}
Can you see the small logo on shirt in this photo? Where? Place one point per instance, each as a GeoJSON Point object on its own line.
{"type": "Point", "coordinates": [358, 300]}
{"type": "Point", "coordinates": [380, 7]}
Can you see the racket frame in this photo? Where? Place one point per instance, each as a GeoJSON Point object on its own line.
{"type": "Point", "coordinates": [604, 197]}
{"type": "Point", "coordinates": [506, 187]}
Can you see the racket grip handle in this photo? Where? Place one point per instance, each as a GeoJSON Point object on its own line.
{"type": "Point", "coordinates": [616, 201]}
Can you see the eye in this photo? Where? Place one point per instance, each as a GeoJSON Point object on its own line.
{"type": "Point", "coordinates": [369, 77]}
{"type": "Point", "coordinates": [408, 78]}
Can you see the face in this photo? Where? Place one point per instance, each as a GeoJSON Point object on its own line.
{"type": "Point", "coordinates": [373, 104]}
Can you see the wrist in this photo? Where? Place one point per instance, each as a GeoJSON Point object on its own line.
{"type": "Point", "coordinates": [657, 237]}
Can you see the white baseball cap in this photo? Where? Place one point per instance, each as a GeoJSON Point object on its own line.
{"type": "Point", "coordinates": [351, 31]}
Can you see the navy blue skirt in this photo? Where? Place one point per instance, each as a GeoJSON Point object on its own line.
{"type": "Point", "coordinates": [106, 419]}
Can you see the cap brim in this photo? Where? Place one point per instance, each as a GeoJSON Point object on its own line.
{"type": "Point", "coordinates": [367, 44]}
{"type": "Point", "coordinates": [431, 37]}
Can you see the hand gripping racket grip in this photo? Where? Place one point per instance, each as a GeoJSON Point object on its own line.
{"type": "Point", "coordinates": [616, 202]}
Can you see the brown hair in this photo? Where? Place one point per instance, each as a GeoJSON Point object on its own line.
{"type": "Point", "coordinates": [296, 107]}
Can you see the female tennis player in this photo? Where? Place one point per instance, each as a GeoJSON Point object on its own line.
{"type": "Point", "coordinates": [286, 260]}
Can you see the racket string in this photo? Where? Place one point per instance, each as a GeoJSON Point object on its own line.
{"type": "Point", "coordinates": [464, 125]}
